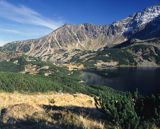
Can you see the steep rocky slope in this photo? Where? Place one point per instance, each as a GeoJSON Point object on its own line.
{"type": "Point", "coordinates": [130, 53]}
{"type": "Point", "coordinates": [62, 44]}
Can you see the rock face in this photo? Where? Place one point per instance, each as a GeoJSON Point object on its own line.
{"type": "Point", "coordinates": [69, 38]}
{"type": "Point", "coordinates": [151, 30]}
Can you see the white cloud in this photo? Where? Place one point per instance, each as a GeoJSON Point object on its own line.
{"type": "Point", "coordinates": [10, 31]}
{"type": "Point", "coordinates": [24, 32]}
{"type": "Point", "coordinates": [9, 34]}
{"type": "Point", "coordinates": [3, 42]}
{"type": "Point", "coordinates": [25, 15]}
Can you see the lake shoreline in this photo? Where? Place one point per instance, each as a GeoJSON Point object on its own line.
{"type": "Point", "coordinates": [145, 79]}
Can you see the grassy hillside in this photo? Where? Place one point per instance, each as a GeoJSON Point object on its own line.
{"type": "Point", "coordinates": [118, 109]}
{"type": "Point", "coordinates": [13, 78]}
{"type": "Point", "coordinates": [142, 54]}
{"type": "Point", "coordinates": [49, 111]}
{"type": "Point", "coordinates": [51, 101]}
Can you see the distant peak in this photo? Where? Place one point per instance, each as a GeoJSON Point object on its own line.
{"type": "Point", "coordinates": [66, 25]}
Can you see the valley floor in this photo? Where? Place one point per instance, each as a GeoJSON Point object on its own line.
{"type": "Point", "coordinates": [49, 110]}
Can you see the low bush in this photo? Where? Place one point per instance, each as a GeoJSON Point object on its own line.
{"type": "Point", "coordinates": [118, 109]}
{"type": "Point", "coordinates": [130, 111]}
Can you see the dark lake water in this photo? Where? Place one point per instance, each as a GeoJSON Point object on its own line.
{"type": "Point", "coordinates": [146, 80]}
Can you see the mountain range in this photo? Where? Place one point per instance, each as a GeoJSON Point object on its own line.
{"type": "Point", "coordinates": [134, 40]}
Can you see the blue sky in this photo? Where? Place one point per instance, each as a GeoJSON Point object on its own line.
{"type": "Point", "coordinates": [28, 19]}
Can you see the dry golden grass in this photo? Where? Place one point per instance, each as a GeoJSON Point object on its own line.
{"type": "Point", "coordinates": [20, 106]}
{"type": "Point", "coordinates": [60, 99]}
{"type": "Point", "coordinates": [84, 122]}
{"type": "Point", "coordinates": [88, 123]}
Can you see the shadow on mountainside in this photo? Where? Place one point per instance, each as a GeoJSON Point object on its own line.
{"type": "Point", "coordinates": [30, 123]}
{"type": "Point", "coordinates": [51, 117]}
{"type": "Point", "coordinates": [91, 113]}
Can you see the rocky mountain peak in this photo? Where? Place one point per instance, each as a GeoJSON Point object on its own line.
{"type": "Point", "coordinates": [90, 36]}
{"type": "Point", "coordinates": [147, 15]}
{"type": "Point", "coordinates": [138, 20]}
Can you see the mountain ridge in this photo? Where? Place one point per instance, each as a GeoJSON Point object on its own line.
{"type": "Point", "coordinates": [71, 38]}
